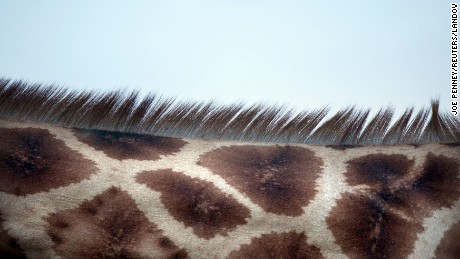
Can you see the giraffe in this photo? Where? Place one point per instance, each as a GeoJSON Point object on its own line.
{"type": "Point", "coordinates": [81, 176]}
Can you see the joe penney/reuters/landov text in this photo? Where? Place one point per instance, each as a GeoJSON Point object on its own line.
{"type": "Point", "coordinates": [454, 60]}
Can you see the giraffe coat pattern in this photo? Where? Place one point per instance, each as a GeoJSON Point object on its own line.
{"type": "Point", "coordinates": [73, 193]}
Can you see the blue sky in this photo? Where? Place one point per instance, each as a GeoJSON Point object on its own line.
{"type": "Point", "coordinates": [303, 54]}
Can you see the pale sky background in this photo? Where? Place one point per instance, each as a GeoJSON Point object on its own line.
{"type": "Point", "coordinates": [303, 54]}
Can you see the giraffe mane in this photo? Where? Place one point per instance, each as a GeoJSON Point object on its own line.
{"type": "Point", "coordinates": [161, 116]}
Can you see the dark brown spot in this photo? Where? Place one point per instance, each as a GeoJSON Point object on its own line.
{"type": "Point", "coordinates": [377, 169]}
{"type": "Point", "coordinates": [118, 229]}
{"type": "Point", "coordinates": [273, 245]}
{"type": "Point", "coordinates": [9, 248]}
{"type": "Point", "coordinates": [365, 229]}
{"type": "Point", "coordinates": [120, 145]}
{"type": "Point", "coordinates": [343, 147]}
{"type": "Point", "coordinates": [384, 220]}
{"type": "Point", "coordinates": [438, 184]}
{"type": "Point", "coordinates": [281, 179]}
{"type": "Point", "coordinates": [32, 160]}
{"type": "Point", "coordinates": [450, 243]}
{"type": "Point", "coordinates": [196, 203]}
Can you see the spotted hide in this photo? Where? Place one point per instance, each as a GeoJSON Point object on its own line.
{"type": "Point", "coordinates": [75, 193]}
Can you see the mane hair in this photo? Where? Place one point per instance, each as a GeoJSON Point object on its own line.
{"type": "Point", "coordinates": [160, 116]}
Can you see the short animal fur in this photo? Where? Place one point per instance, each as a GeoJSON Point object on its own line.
{"type": "Point", "coordinates": [103, 175]}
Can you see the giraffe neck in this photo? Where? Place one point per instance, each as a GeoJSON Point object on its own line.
{"type": "Point", "coordinates": [74, 193]}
